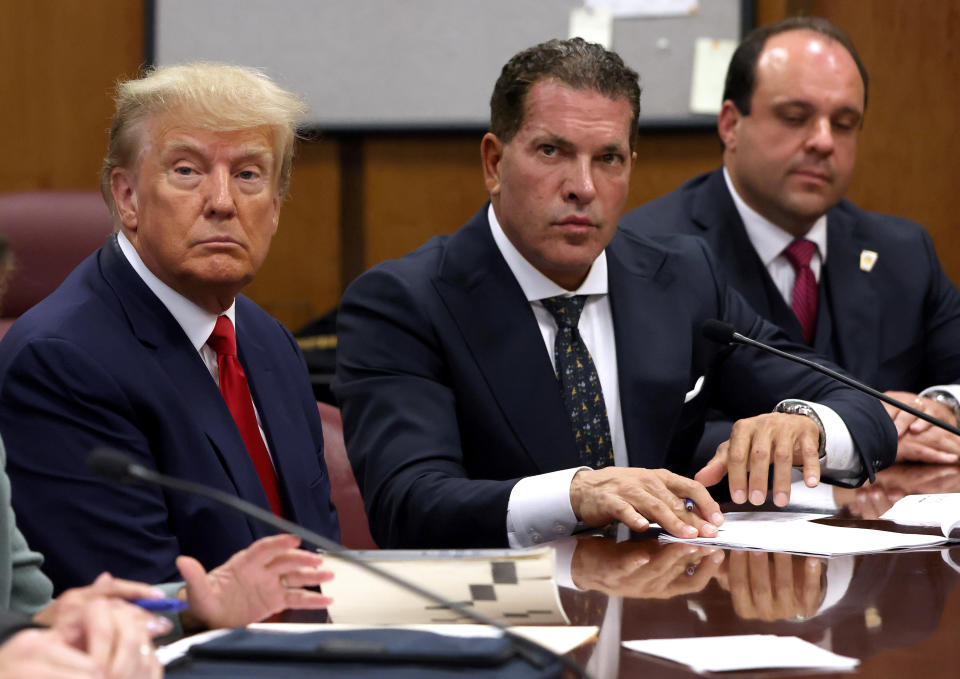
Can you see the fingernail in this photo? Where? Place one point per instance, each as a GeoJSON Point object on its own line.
{"type": "Point", "coordinates": [756, 497]}
{"type": "Point", "coordinates": [709, 530]}
{"type": "Point", "coordinates": [716, 519]}
{"type": "Point", "coordinates": [811, 481]}
{"type": "Point", "coordinates": [690, 531]}
{"type": "Point", "coordinates": [780, 499]}
{"type": "Point", "coordinates": [739, 497]}
{"type": "Point", "coordinates": [157, 593]}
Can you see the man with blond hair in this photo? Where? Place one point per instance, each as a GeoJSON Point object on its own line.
{"type": "Point", "coordinates": [149, 348]}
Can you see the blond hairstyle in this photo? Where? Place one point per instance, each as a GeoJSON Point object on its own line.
{"type": "Point", "coordinates": [212, 96]}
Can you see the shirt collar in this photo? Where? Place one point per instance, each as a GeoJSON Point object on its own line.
{"type": "Point", "coordinates": [768, 239]}
{"type": "Point", "coordinates": [534, 284]}
{"type": "Point", "coordinates": [197, 322]}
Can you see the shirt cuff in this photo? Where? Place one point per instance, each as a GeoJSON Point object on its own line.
{"type": "Point", "coordinates": [841, 461]}
{"type": "Point", "coordinates": [539, 509]}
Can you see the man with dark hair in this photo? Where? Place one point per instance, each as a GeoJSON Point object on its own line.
{"type": "Point", "coordinates": [537, 368]}
{"type": "Point", "coordinates": [824, 270]}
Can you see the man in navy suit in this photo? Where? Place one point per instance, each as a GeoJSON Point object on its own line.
{"type": "Point", "coordinates": [882, 306]}
{"type": "Point", "coordinates": [198, 163]}
{"type": "Point", "coordinates": [537, 369]}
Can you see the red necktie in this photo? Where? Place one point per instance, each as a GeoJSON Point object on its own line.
{"type": "Point", "coordinates": [233, 386]}
{"type": "Point", "coordinates": [805, 291]}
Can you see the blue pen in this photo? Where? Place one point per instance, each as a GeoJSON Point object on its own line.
{"type": "Point", "coordinates": [160, 605]}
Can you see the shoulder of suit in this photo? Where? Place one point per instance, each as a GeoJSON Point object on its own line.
{"type": "Point", "coordinates": [660, 215]}
{"type": "Point", "coordinates": [876, 226]}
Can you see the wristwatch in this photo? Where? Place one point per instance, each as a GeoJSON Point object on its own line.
{"type": "Point", "coordinates": [801, 408]}
{"type": "Point", "coordinates": [947, 399]}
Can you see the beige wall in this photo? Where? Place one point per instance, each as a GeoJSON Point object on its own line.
{"type": "Point", "coordinates": [361, 199]}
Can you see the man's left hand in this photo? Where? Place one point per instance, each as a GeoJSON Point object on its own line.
{"type": "Point", "coordinates": [918, 440]}
{"type": "Point", "coordinates": [267, 577]}
{"type": "Point", "coordinates": [777, 439]}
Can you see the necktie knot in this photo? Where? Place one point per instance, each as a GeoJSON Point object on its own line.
{"type": "Point", "coordinates": [800, 252]}
{"type": "Point", "coordinates": [566, 310]}
{"type": "Point", "coordinates": [223, 339]}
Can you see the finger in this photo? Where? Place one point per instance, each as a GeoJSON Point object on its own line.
{"type": "Point", "coordinates": [266, 549]}
{"type": "Point", "coordinates": [902, 421]}
{"type": "Point", "coordinates": [304, 599]}
{"type": "Point", "coordinates": [667, 516]}
{"type": "Point", "coordinates": [812, 585]}
{"type": "Point", "coordinates": [760, 578]}
{"type": "Point", "coordinates": [810, 455]}
{"type": "Point", "coordinates": [291, 560]}
{"type": "Point", "coordinates": [674, 493]}
{"type": "Point", "coordinates": [783, 452]}
{"type": "Point", "coordinates": [737, 579]}
{"type": "Point", "coordinates": [713, 472]}
{"type": "Point", "coordinates": [737, 454]}
{"type": "Point", "coordinates": [194, 574]}
{"type": "Point", "coordinates": [306, 577]}
{"type": "Point", "coordinates": [708, 565]}
{"type": "Point", "coordinates": [704, 504]}
{"type": "Point", "coordinates": [760, 452]}
{"type": "Point", "coordinates": [108, 586]}
{"type": "Point", "coordinates": [919, 426]}
{"type": "Point", "coordinates": [618, 509]}
{"type": "Point", "coordinates": [784, 594]}
{"type": "Point", "coordinates": [911, 450]}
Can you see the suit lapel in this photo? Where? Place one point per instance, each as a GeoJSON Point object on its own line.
{"type": "Point", "coordinates": [715, 212]}
{"type": "Point", "coordinates": [291, 447]}
{"type": "Point", "coordinates": [856, 311]}
{"type": "Point", "coordinates": [157, 330]}
{"type": "Point", "coordinates": [653, 349]}
{"type": "Point", "coordinates": [501, 332]}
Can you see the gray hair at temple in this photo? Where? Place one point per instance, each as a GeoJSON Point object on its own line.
{"type": "Point", "coordinates": [212, 96]}
{"type": "Point", "coordinates": [576, 63]}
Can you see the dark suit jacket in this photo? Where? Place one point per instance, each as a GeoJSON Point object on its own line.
{"type": "Point", "coordinates": [894, 327]}
{"type": "Point", "coordinates": [449, 398]}
{"type": "Point", "coordinates": [101, 362]}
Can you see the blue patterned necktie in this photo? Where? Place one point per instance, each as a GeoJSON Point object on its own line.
{"type": "Point", "coordinates": [580, 384]}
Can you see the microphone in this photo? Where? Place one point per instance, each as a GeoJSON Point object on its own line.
{"type": "Point", "coordinates": [724, 333]}
{"type": "Point", "coordinates": [119, 467]}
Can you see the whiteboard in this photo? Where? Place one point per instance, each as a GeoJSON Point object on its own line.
{"type": "Point", "coordinates": [422, 64]}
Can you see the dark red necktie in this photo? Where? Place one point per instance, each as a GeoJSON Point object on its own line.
{"type": "Point", "coordinates": [805, 291]}
{"type": "Point", "coordinates": [233, 386]}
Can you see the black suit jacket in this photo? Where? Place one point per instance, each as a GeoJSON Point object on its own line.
{"type": "Point", "coordinates": [101, 362]}
{"type": "Point", "coordinates": [449, 398]}
{"type": "Point", "coordinates": [896, 326]}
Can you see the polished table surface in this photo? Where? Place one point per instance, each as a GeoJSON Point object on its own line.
{"type": "Point", "coordinates": [898, 612]}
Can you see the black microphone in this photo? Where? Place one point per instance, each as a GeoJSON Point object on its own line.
{"type": "Point", "coordinates": [119, 467]}
{"type": "Point", "coordinates": [724, 333]}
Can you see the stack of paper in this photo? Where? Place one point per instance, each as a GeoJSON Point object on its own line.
{"type": "Point", "coordinates": [743, 652]}
{"type": "Point", "coordinates": [796, 533]}
{"type": "Point", "coordinates": [939, 511]}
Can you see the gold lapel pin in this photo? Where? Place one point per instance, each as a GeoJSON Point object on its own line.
{"type": "Point", "coordinates": [867, 259]}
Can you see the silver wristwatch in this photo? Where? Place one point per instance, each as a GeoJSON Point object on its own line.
{"type": "Point", "coordinates": [801, 408]}
{"type": "Point", "coordinates": [947, 399]}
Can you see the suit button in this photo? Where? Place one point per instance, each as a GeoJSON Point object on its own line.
{"type": "Point", "coordinates": [537, 538]}
{"type": "Point", "coordinates": [560, 529]}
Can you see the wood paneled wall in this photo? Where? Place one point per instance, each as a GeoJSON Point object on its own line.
{"type": "Point", "coordinates": [361, 199]}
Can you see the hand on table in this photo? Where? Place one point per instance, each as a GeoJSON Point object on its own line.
{"type": "Point", "coordinates": [773, 586]}
{"type": "Point", "coordinates": [114, 634]}
{"type": "Point", "coordinates": [918, 440]}
{"type": "Point", "coordinates": [263, 579]}
{"type": "Point", "coordinates": [638, 497]}
{"type": "Point", "coordinates": [873, 499]}
{"type": "Point", "coordinates": [778, 439]}
{"type": "Point", "coordinates": [644, 569]}
{"type": "Point", "coordinates": [44, 654]}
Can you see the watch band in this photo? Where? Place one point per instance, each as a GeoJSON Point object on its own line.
{"type": "Point", "coordinates": [801, 408]}
{"type": "Point", "coordinates": [947, 399]}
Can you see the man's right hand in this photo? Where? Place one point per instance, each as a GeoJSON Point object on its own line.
{"type": "Point", "coordinates": [44, 654]}
{"type": "Point", "coordinates": [638, 497]}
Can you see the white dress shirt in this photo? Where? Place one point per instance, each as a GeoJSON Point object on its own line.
{"type": "Point", "coordinates": [197, 323]}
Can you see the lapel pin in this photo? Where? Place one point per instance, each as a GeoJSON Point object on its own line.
{"type": "Point", "coordinates": [867, 259]}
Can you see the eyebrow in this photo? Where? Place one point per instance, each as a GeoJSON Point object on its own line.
{"type": "Point", "coordinates": [807, 105]}
{"type": "Point", "coordinates": [557, 140]}
{"type": "Point", "coordinates": [246, 152]}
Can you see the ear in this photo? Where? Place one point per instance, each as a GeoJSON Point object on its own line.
{"type": "Point", "coordinates": [277, 202]}
{"type": "Point", "coordinates": [491, 153]}
{"type": "Point", "coordinates": [124, 190]}
{"type": "Point", "coordinates": [728, 124]}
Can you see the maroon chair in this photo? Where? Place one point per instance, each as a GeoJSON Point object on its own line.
{"type": "Point", "coordinates": [50, 233]}
{"type": "Point", "coordinates": [354, 528]}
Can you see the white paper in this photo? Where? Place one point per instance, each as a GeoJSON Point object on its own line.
{"type": "Point", "coordinates": [795, 533]}
{"type": "Point", "coordinates": [632, 9]}
{"type": "Point", "coordinates": [940, 510]}
{"type": "Point", "coordinates": [743, 652]}
{"type": "Point", "coordinates": [593, 25]}
{"type": "Point", "coordinates": [710, 60]}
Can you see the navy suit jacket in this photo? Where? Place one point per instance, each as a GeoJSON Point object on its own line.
{"type": "Point", "coordinates": [449, 398]}
{"type": "Point", "coordinates": [101, 362]}
{"type": "Point", "coordinates": [894, 327]}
